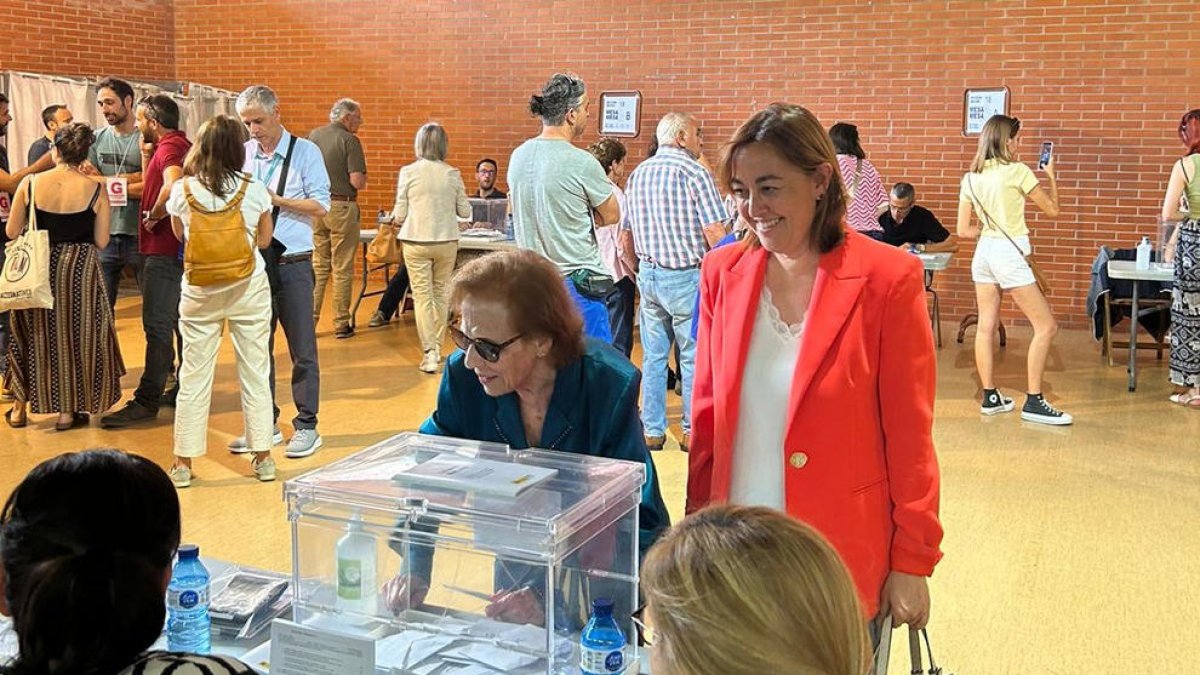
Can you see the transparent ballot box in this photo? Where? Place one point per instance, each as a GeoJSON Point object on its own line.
{"type": "Point", "coordinates": [489, 213]}
{"type": "Point", "coordinates": [453, 553]}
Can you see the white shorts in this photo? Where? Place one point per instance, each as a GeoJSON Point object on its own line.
{"type": "Point", "coordinates": [996, 261]}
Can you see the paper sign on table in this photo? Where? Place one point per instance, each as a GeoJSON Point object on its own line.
{"type": "Point", "coordinates": [300, 650]}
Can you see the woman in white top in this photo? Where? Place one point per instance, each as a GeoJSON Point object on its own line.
{"type": "Point", "coordinates": [616, 248]}
{"type": "Point", "coordinates": [995, 190]}
{"type": "Point", "coordinates": [213, 182]}
{"type": "Point", "coordinates": [430, 198]}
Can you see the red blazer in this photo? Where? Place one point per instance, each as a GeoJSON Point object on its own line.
{"type": "Point", "coordinates": [858, 461]}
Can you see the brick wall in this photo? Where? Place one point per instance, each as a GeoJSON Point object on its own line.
{"type": "Point", "coordinates": [1106, 80]}
{"type": "Point", "coordinates": [130, 38]}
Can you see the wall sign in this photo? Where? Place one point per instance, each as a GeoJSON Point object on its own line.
{"type": "Point", "coordinates": [621, 113]}
{"type": "Point", "coordinates": [979, 105]}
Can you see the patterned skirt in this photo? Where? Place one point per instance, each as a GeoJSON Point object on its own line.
{"type": "Point", "coordinates": [1185, 308]}
{"type": "Point", "coordinates": [67, 359]}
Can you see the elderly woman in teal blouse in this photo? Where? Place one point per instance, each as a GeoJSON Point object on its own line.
{"type": "Point", "coordinates": [526, 377]}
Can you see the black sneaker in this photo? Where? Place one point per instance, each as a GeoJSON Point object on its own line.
{"type": "Point", "coordinates": [132, 413]}
{"type": "Point", "coordinates": [1038, 410]}
{"type": "Point", "coordinates": [995, 403]}
{"type": "Point", "coordinates": [169, 396]}
{"type": "Point", "coordinates": [343, 333]}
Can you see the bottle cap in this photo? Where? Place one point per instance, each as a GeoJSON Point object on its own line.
{"type": "Point", "coordinates": [189, 552]}
{"type": "Point", "coordinates": [602, 607]}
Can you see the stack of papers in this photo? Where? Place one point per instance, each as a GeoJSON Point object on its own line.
{"type": "Point", "coordinates": [248, 604]}
{"type": "Point", "coordinates": [505, 479]}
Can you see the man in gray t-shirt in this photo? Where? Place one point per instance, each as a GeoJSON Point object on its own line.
{"type": "Point", "coordinates": [559, 194]}
{"type": "Point", "coordinates": [117, 153]}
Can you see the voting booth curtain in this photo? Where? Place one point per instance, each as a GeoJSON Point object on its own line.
{"type": "Point", "coordinates": [30, 93]}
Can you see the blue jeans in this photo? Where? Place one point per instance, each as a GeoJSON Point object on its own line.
{"type": "Point", "coordinates": [162, 278]}
{"type": "Point", "coordinates": [122, 250]}
{"type": "Point", "coordinates": [595, 314]}
{"type": "Point", "coordinates": [620, 315]}
{"type": "Point", "coordinates": [668, 303]}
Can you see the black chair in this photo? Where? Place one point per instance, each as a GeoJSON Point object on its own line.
{"type": "Point", "coordinates": [1154, 310]}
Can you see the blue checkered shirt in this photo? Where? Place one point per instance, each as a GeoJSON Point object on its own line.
{"type": "Point", "coordinates": [671, 198]}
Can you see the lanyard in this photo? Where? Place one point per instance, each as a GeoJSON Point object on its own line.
{"type": "Point", "coordinates": [124, 150]}
{"type": "Point", "coordinates": [275, 159]}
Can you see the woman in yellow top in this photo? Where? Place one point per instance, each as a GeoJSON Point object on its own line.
{"type": "Point", "coordinates": [1184, 250]}
{"type": "Point", "coordinates": [995, 190]}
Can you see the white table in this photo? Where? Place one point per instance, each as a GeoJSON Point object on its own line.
{"type": "Point", "coordinates": [1127, 269]}
{"type": "Point", "coordinates": [935, 262]}
{"type": "Point", "coordinates": [365, 237]}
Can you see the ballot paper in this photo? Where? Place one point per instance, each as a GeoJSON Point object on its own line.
{"type": "Point", "coordinates": [470, 474]}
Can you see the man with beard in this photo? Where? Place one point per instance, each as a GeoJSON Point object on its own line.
{"type": "Point", "coordinates": [163, 150]}
{"type": "Point", "coordinates": [485, 176]}
{"type": "Point", "coordinates": [54, 117]}
{"type": "Point", "coordinates": [8, 185]}
{"type": "Point", "coordinates": [116, 157]}
{"type": "Point", "coordinates": [559, 194]}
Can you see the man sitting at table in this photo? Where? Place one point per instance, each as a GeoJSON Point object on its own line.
{"type": "Point", "coordinates": [485, 174]}
{"type": "Point", "coordinates": [906, 223]}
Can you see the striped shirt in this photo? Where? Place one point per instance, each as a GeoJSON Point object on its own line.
{"type": "Point", "coordinates": [162, 663]}
{"type": "Point", "coordinates": [866, 193]}
{"type": "Point", "coordinates": [671, 199]}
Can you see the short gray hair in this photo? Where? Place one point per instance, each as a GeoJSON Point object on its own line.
{"type": "Point", "coordinates": [257, 96]}
{"type": "Point", "coordinates": [562, 94]}
{"type": "Point", "coordinates": [343, 107]}
{"type": "Point", "coordinates": [431, 142]}
{"type": "Point", "coordinates": [904, 191]}
{"type": "Point", "coordinates": [671, 126]}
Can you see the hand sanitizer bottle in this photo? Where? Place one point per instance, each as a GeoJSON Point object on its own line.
{"type": "Point", "coordinates": [356, 586]}
{"type": "Point", "coordinates": [1143, 254]}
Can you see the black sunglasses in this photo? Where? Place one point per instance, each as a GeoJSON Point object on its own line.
{"type": "Point", "coordinates": [486, 349]}
{"type": "Point", "coordinates": [645, 634]}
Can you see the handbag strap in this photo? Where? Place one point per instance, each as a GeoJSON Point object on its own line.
{"type": "Point", "coordinates": [987, 217]}
{"type": "Point", "coordinates": [883, 651]}
{"type": "Point", "coordinates": [32, 219]}
{"type": "Point", "coordinates": [283, 176]}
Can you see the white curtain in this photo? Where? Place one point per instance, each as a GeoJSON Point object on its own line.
{"type": "Point", "coordinates": [30, 93]}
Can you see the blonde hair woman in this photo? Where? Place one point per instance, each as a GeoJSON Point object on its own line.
{"type": "Point", "coordinates": [996, 189]}
{"type": "Point", "coordinates": [430, 198]}
{"type": "Point", "coordinates": [742, 590]}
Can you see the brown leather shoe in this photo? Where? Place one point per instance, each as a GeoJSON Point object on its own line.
{"type": "Point", "coordinates": [655, 443]}
{"type": "Point", "coordinates": [685, 442]}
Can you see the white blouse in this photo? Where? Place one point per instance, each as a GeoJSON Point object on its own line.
{"type": "Point", "coordinates": [758, 456]}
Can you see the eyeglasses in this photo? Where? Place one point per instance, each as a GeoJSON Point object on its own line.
{"type": "Point", "coordinates": [486, 349]}
{"type": "Point", "coordinates": [491, 171]}
{"type": "Point", "coordinates": [645, 634]}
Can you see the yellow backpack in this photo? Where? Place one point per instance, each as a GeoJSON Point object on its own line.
{"type": "Point", "coordinates": [217, 250]}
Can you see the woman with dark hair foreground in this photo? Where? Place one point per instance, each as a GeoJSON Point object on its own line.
{"type": "Point", "coordinates": [86, 543]}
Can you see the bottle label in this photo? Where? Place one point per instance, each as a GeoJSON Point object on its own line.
{"type": "Point", "coordinates": [188, 598]}
{"type": "Point", "coordinates": [350, 579]}
{"type": "Point", "coordinates": [601, 660]}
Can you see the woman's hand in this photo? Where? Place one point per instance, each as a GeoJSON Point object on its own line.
{"type": "Point", "coordinates": [1049, 168]}
{"type": "Point", "coordinates": [906, 598]}
{"type": "Point", "coordinates": [520, 606]}
{"type": "Point", "coordinates": [404, 592]}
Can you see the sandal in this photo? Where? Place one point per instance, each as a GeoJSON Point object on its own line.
{"type": "Point", "coordinates": [20, 423]}
{"type": "Point", "coordinates": [77, 420]}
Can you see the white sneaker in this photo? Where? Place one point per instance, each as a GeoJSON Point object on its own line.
{"type": "Point", "coordinates": [181, 476]}
{"type": "Point", "coordinates": [264, 469]}
{"type": "Point", "coordinates": [429, 362]}
{"type": "Point", "coordinates": [304, 443]}
{"type": "Point", "coordinates": [238, 445]}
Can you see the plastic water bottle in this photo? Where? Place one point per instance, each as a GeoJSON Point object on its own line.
{"type": "Point", "coordinates": [1142, 261]}
{"type": "Point", "coordinates": [508, 227]}
{"type": "Point", "coordinates": [602, 642]}
{"type": "Point", "coordinates": [188, 626]}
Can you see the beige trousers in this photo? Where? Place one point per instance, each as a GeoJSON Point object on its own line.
{"type": "Point", "coordinates": [335, 239]}
{"type": "Point", "coordinates": [430, 268]}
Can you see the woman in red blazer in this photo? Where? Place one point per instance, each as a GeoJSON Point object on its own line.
{"type": "Point", "coordinates": [815, 369]}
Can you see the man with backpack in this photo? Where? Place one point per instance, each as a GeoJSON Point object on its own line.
{"type": "Point", "coordinates": [293, 169]}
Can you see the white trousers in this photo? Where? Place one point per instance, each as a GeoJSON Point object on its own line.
{"type": "Point", "coordinates": [203, 312]}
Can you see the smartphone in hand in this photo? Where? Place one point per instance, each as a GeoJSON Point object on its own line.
{"type": "Point", "coordinates": [1047, 152]}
